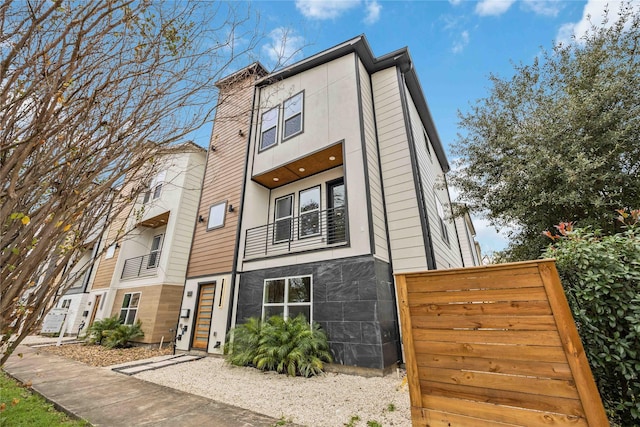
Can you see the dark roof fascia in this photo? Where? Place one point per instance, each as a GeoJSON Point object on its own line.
{"type": "Point", "coordinates": [398, 58]}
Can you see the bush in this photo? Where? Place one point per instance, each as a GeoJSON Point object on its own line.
{"type": "Point", "coordinates": [97, 331]}
{"type": "Point", "coordinates": [601, 278]}
{"type": "Point", "coordinates": [121, 335]}
{"type": "Point", "coordinates": [111, 333]}
{"type": "Point", "coordinates": [290, 346]}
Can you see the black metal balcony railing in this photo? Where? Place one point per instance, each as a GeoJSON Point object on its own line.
{"type": "Point", "coordinates": [310, 230]}
{"type": "Point", "coordinates": [140, 266]}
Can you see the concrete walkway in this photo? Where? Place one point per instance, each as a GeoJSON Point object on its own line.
{"type": "Point", "coordinates": [105, 398]}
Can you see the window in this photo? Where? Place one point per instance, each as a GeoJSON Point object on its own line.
{"type": "Point", "coordinates": [154, 254]}
{"type": "Point", "coordinates": [309, 212]}
{"type": "Point", "coordinates": [283, 219]}
{"type": "Point", "coordinates": [129, 308]}
{"type": "Point", "coordinates": [426, 142]}
{"type": "Point", "coordinates": [66, 303]}
{"type": "Point", "coordinates": [111, 251]}
{"type": "Point", "coordinates": [155, 187]}
{"type": "Point", "coordinates": [443, 224]}
{"type": "Point", "coordinates": [293, 116]}
{"type": "Point", "coordinates": [216, 215]}
{"type": "Point", "coordinates": [269, 133]}
{"type": "Point", "coordinates": [287, 297]}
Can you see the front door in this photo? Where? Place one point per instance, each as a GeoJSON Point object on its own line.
{"type": "Point", "coordinates": [96, 304]}
{"type": "Point", "coordinates": [336, 212]}
{"type": "Point", "coordinates": [203, 316]}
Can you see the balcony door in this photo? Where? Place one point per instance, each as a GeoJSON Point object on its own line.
{"type": "Point", "coordinates": [283, 219]}
{"type": "Point", "coordinates": [336, 212]}
{"type": "Point", "coordinates": [154, 254]}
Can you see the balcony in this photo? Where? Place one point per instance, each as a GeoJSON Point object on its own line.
{"type": "Point", "coordinates": [141, 266]}
{"type": "Point", "coordinates": [310, 231]}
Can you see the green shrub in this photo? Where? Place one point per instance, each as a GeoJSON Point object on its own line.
{"type": "Point", "coordinates": [242, 342]}
{"type": "Point", "coordinates": [121, 335]}
{"type": "Point", "coordinates": [601, 278]}
{"type": "Point", "coordinates": [290, 346]}
{"type": "Point", "coordinates": [96, 332]}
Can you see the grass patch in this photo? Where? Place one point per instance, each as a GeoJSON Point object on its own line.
{"type": "Point", "coordinates": [19, 407]}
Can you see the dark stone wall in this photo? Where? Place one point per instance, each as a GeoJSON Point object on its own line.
{"type": "Point", "coordinates": [353, 301]}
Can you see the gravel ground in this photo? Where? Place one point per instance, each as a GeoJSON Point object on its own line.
{"type": "Point", "coordinates": [330, 400]}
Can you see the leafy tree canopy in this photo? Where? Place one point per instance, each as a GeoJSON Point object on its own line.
{"type": "Point", "coordinates": [559, 141]}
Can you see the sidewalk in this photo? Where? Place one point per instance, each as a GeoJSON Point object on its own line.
{"type": "Point", "coordinates": [105, 398]}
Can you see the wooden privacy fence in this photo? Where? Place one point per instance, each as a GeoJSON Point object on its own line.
{"type": "Point", "coordinates": [494, 346]}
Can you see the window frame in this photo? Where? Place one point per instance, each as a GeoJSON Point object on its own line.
{"type": "Point", "coordinates": [224, 215]}
{"type": "Point", "coordinates": [286, 304]}
{"type": "Point", "coordinates": [128, 308]}
{"type": "Point", "coordinates": [289, 218]}
{"type": "Point", "coordinates": [427, 143]}
{"type": "Point", "coordinates": [444, 232]}
{"type": "Point", "coordinates": [317, 212]}
{"type": "Point", "coordinates": [261, 147]}
{"type": "Point", "coordinates": [286, 137]}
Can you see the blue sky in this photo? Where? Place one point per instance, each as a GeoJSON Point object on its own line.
{"type": "Point", "coordinates": [455, 45]}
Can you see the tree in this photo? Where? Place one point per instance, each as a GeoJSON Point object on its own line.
{"type": "Point", "coordinates": [601, 277]}
{"type": "Point", "coordinates": [559, 140]}
{"type": "Point", "coordinates": [92, 93]}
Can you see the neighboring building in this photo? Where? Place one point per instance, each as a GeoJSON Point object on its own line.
{"type": "Point", "coordinates": [471, 254]}
{"type": "Point", "coordinates": [336, 176]}
{"type": "Point", "coordinates": [142, 277]}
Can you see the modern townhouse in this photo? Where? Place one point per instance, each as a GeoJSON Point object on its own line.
{"type": "Point", "coordinates": [471, 254]}
{"type": "Point", "coordinates": [330, 180]}
{"type": "Point", "coordinates": [142, 276]}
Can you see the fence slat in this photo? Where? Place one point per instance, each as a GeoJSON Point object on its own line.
{"type": "Point", "coordinates": [557, 370]}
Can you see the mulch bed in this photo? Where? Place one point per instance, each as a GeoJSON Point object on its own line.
{"type": "Point", "coordinates": [96, 355]}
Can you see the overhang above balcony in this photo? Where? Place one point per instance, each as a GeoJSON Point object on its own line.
{"type": "Point", "coordinates": [312, 164]}
{"type": "Point", "coordinates": [156, 221]}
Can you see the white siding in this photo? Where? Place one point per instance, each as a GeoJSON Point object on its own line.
{"type": "Point", "coordinates": [447, 255]}
{"type": "Point", "coordinates": [405, 229]}
{"type": "Point", "coordinates": [375, 185]}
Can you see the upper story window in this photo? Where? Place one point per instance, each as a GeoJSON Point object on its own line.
{"type": "Point", "coordinates": [216, 215]}
{"type": "Point", "coordinates": [269, 131]}
{"type": "Point", "coordinates": [443, 223]}
{"type": "Point", "coordinates": [426, 142]}
{"type": "Point", "coordinates": [293, 116]}
{"type": "Point", "coordinates": [155, 187]}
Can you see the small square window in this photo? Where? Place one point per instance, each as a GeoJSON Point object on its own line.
{"type": "Point", "coordinates": [216, 215]}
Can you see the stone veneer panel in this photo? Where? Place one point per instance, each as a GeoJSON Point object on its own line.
{"type": "Point", "coordinates": [353, 301]}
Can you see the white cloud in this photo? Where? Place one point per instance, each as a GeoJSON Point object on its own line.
{"type": "Point", "coordinates": [455, 2]}
{"type": "Point", "coordinates": [493, 7]}
{"type": "Point", "coordinates": [325, 9]}
{"type": "Point", "coordinates": [284, 46]}
{"type": "Point", "coordinates": [461, 43]}
{"type": "Point", "coordinates": [490, 239]}
{"type": "Point", "coordinates": [373, 9]}
{"type": "Point", "coordinates": [593, 13]}
{"type": "Point", "coordinates": [543, 7]}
